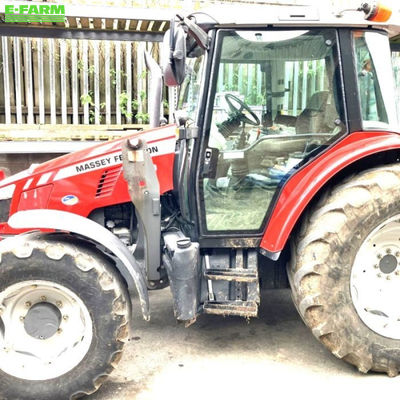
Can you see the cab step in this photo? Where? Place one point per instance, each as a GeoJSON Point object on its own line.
{"type": "Point", "coordinates": [232, 274]}
{"type": "Point", "coordinates": [236, 307]}
{"type": "Point", "coordinates": [230, 282]}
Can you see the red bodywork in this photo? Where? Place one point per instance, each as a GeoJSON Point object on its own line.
{"type": "Point", "coordinates": [83, 181]}
{"type": "Point", "coordinates": [58, 185]}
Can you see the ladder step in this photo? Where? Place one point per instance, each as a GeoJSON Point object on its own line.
{"type": "Point", "coordinates": [239, 308]}
{"type": "Point", "coordinates": [232, 274]}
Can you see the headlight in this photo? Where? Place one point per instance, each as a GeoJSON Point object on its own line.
{"type": "Point", "coordinates": [7, 192]}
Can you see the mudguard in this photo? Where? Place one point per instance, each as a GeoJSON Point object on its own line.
{"type": "Point", "coordinates": [131, 270]}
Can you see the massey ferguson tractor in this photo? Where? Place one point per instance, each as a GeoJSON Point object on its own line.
{"type": "Point", "coordinates": [302, 174]}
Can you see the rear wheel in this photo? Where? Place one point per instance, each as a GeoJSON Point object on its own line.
{"type": "Point", "coordinates": [345, 270]}
{"type": "Point", "coordinates": [63, 320]}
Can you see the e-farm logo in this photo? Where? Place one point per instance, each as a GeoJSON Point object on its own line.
{"type": "Point", "coordinates": [34, 13]}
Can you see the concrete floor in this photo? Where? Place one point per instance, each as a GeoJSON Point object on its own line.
{"type": "Point", "coordinates": [230, 358]}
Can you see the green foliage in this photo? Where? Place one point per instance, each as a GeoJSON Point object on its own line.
{"type": "Point", "coordinates": [123, 104]}
{"type": "Point", "coordinates": [113, 76]}
{"type": "Point", "coordinates": [142, 118]}
{"type": "Point", "coordinates": [143, 96]}
{"type": "Point", "coordinates": [80, 65]}
{"type": "Point", "coordinates": [143, 74]}
{"type": "Point", "coordinates": [87, 98]}
{"type": "Point", "coordinates": [135, 104]}
{"type": "Point", "coordinates": [123, 98]}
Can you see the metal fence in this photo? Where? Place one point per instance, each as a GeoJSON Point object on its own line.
{"type": "Point", "coordinates": [69, 81]}
{"type": "Point", "coordinates": [248, 82]}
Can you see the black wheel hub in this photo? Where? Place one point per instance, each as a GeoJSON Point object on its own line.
{"type": "Point", "coordinates": [42, 321]}
{"type": "Point", "coordinates": [388, 264]}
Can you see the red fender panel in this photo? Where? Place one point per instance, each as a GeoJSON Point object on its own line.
{"type": "Point", "coordinates": [303, 186]}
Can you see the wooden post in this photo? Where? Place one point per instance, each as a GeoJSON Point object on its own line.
{"type": "Point", "coordinates": [28, 78]}
{"type": "Point", "coordinates": [117, 81]}
{"type": "Point", "coordinates": [42, 119]}
{"type": "Point", "coordinates": [96, 82]}
{"type": "Point", "coordinates": [295, 87]}
{"type": "Point", "coordinates": [53, 116]}
{"type": "Point", "coordinates": [304, 86]}
{"type": "Point", "coordinates": [17, 79]}
{"type": "Point", "coordinates": [85, 72]}
{"type": "Point", "coordinates": [6, 78]}
{"type": "Point", "coordinates": [128, 67]}
{"type": "Point", "coordinates": [63, 70]}
{"type": "Point", "coordinates": [107, 79]}
{"type": "Point", "coordinates": [74, 83]}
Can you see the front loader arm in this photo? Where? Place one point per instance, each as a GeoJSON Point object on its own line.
{"type": "Point", "coordinates": [144, 190]}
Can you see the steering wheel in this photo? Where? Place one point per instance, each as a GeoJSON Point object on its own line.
{"type": "Point", "coordinates": [254, 120]}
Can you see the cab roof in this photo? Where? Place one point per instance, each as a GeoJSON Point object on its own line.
{"type": "Point", "coordinates": [258, 16]}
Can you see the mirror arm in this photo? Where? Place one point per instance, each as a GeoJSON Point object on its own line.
{"type": "Point", "coordinates": [199, 35]}
{"type": "Point", "coordinates": [155, 92]}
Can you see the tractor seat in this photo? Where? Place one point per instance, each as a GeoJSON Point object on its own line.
{"type": "Point", "coordinates": [313, 118]}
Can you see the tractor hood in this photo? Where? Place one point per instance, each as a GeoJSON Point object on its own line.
{"type": "Point", "coordinates": [95, 156]}
{"type": "Point", "coordinates": [85, 180]}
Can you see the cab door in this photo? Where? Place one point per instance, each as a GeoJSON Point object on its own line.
{"type": "Point", "coordinates": [275, 102]}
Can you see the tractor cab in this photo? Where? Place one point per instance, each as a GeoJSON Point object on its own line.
{"type": "Point", "coordinates": [264, 100]}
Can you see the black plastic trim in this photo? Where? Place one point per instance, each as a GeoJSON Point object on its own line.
{"type": "Point", "coordinates": [350, 80]}
{"type": "Point", "coordinates": [5, 210]}
{"type": "Point", "coordinates": [232, 242]}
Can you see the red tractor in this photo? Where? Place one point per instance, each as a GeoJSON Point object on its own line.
{"type": "Point", "coordinates": [285, 152]}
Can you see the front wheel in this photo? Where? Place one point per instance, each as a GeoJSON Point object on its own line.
{"type": "Point", "coordinates": [63, 319]}
{"type": "Point", "coordinates": [345, 270]}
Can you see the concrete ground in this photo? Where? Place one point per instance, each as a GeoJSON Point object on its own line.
{"type": "Point", "coordinates": [230, 358]}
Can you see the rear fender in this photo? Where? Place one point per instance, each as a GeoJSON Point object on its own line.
{"type": "Point", "coordinates": [302, 187]}
{"type": "Point", "coordinates": [131, 270]}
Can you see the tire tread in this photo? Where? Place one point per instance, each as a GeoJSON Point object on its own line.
{"type": "Point", "coordinates": [306, 275]}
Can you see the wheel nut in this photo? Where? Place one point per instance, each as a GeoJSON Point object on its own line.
{"type": "Point", "coordinates": [59, 331]}
{"type": "Point", "coordinates": [379, 275]}
{"type": "Point", "coordinates": [21, 318]}
{"type": "Point", "coordinates": [397, 272]}
{"type": "Point", "coordinates": [43, 298]}
{"type": "Point", "coordinates": [397, 254]}
{"type": "Point", "coordinates": [376, 266]}
{"type": "Point", "coordinates": [65, 317]}
{"type": "Point", "coordinates": [388, 251]}
{"type": "Point", "coordinates": [388, 277]}
{"type": "Point", "coordinates": [379, 256]}
{"type": "Point", "coordinates": [59, 304]}
{"type": "Point", "coordinates": [28, 304]}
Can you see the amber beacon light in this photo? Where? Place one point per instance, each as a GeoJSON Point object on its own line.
{"type": "Point", "coordinates": [376, 11]}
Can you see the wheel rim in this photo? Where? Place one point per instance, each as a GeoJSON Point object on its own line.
{"type": "Point", "coordinates": [375, 279]}
{"type": "Point", "coordinates": [46, 350]}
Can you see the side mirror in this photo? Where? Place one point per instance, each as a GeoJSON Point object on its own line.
{"type": "Point", "coordinates": [174, 55]}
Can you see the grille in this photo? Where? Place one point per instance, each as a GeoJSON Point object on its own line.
{"type": "Point", "coordinates": [107, 181]}
{"type": "Point", "coordinates": [4, 210]}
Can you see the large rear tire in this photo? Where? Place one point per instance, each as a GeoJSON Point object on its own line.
{"type": "Point", "coordinates": [345, 273]}
{"type": "Point", "coordinates": [64, 314]}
